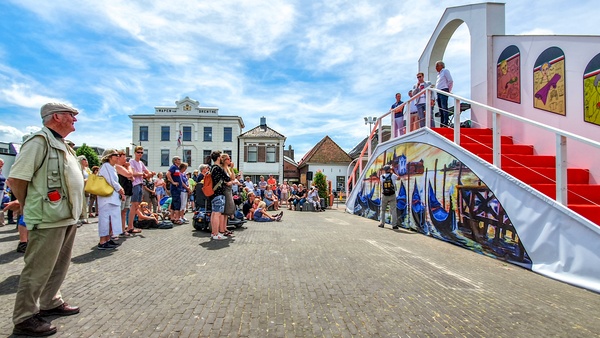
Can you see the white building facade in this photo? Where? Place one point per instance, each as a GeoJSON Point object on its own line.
{"type": "Point", "coordinates": [262, 152]}
{"type": "Point", "coordinates": [187, 130]}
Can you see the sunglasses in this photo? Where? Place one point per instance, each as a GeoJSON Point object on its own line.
{"type": "Point", "coordinates": [139, 152]}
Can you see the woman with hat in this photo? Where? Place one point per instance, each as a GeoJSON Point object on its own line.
{"type": "Point", "coordinates": [110, 206]}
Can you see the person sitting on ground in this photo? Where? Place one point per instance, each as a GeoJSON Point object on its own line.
{"type": "Point", "coordinates": [248, 206]}
{"type": "Point", "coordinates": [314, 199]}
{"type": "Point", "coordinates": [270, 198]}
{"type": "Point", "coordinates": [146, 218]}
{"type": "Point", "coordinates": [261, 215]}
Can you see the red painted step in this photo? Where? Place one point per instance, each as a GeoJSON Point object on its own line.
{"type": "Point", "coordinates": [507, 149]}
{"type": "Point", "coordinates": [589, 211]}
{"type": "Point", "coordinates": [576, 193]}
{"type": "Point", "coordinates": [548, 175]}
{"type": "Point", "coordinates": [516, 160]}
{"type": "Point", "coordinates": [537, 170]}
{"type": "Point", "coordinates": [483, 139]}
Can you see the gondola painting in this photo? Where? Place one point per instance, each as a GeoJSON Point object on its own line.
{"type": "Point", "coordinates": [439, 196]}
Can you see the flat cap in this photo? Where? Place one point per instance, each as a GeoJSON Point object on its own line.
{"type": "Point", "coordinates": [53, 107]}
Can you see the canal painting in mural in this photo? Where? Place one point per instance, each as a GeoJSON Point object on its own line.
{"type": "Point", "coordinates": [440, 197]}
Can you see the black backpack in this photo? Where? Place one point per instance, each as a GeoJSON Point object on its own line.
{"type": "Point", "coordinates": [388, 186]}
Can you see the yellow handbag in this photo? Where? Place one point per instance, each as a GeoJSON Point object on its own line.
{"type": "Point", "coordinates": [97, 185]}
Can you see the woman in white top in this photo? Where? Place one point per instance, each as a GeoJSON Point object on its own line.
{"type": "Point", "coordinates": [109, 206]}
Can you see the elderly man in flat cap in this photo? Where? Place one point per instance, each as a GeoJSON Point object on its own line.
{"type": "Point", "coordinates": [47, 180]}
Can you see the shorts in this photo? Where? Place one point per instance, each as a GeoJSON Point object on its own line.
{"type": "Point", "coordinates": [137, 194]}
{"type": "Point", "coordinates": [218, 204]}
{"type": "Point", "coordinates": [184, 199]}
{"type": "Point", "coordinates": [175, 200]}
{"type": "Point", "coordinates": [126, 204]}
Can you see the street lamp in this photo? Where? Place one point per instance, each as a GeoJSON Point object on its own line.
{"type": "Point", "coordinates": [370, 121]}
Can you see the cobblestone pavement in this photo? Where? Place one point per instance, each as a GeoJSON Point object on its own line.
{"type": "Point", "coordinates": [326, 274]}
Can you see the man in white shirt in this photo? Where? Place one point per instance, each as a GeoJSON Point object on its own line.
{"type": "Point", "coordinates": [444, 82]}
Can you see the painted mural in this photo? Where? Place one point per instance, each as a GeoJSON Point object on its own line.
{"type": "Point", "coordinates": [591, 91]}
{"type": "Point", "coordinates": [508, 75]}
{"type": "Point", "coordinates": [549, 81]}
{"type": "Point", "coordinates": [438, 196]}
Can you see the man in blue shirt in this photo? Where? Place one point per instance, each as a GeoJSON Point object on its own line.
{"type": "Point", "coordinates": [174, 177]}
{"type": "Point", "coordinates": [398, 115]}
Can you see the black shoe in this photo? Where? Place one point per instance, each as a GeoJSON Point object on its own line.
{"type": "Point", "coordinates": [395, 227]}
{"type": "Point", "coordinates": [63, 309]}
{"type": "Point", "coordinates": [114, 243]}
{"type": "Point", "coordinates": [35, 326]}
{"type": "Point", "coordinates": [381, 225]}
{"type": "Point", "coordinates": [22, 247]}
{"type": "Point", "coordinates": [106, 246]}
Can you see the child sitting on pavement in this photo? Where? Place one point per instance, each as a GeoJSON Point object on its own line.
{"type": "Point", "coordinates": [261, 215]}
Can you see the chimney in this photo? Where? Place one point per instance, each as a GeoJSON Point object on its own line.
{"type": "Point", "coordinates": [289, 152]}
{"type": "Point", "coordinates": [263, 123]}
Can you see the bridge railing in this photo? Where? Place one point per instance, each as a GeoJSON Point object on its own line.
{"type": "Point", "coordinates": [497, 115]}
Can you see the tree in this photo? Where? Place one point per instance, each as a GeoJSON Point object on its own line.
{"type": "Point", "coordinates": [90, 154]}
{"type": "Point", "coordinates": [320, 181]}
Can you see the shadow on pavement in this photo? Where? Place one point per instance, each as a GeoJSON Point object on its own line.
{"type": "Point", "coordinates": [10, 238]}
{"type": "Point", "coordinates": [10, 256]}
{"type": "Point", "coordinates": [92, 255]}
{"type": "Point", "coordinates": [9, 285]}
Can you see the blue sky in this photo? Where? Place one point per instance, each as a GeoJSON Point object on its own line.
{"type": "Point", "coordinates": [313, 68]}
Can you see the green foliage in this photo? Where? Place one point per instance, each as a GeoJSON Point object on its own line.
{"type": "Point", "coordinates": [90, 154]}
{"type": "Point", "coordinates": [320, 181]}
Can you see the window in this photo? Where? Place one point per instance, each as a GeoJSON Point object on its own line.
{"type": "Point", "coordinates": [187, 133]}
{"type": "Point", "coordinates": [340, 183]}
{"type": "Point", "coordinates": [270, 154]}
{"type": "Point", "coordinates": [206, 156]}
{"type": "Point", "coordinates": [143, 133]}
{"type": "Point", "coordinates": [164, 158]}
{"type": "Point", "coordinates": [227, 134]}
{"type": "Point", "coordinates": [165, 133]}
{"type": "Point", "coordinates": [187, 157]}
{"type": "Point", "coordinates": [145, 157]}
{"type": "Point", "coordinates": [252, 153]}
{"type": "Point", "coordinates": [207, 134]}
{"type": "Point", "coordinates": [228, 152]}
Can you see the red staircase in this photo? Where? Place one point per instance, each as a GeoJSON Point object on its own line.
{"type": "Point", "coordinates": [539, 171]}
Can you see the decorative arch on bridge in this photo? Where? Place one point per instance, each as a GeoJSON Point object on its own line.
{"type": "Point", "coordinates": [483, 21]}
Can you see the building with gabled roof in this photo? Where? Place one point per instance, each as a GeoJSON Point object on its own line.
{"type": "Point", "coordinates": [330, 159]}
{"type": "Point", "coordinates": [262, 152]}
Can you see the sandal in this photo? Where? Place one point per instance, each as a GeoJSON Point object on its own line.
{"type": "Point", "coordinates": [125, 234]}
{"type": "Point", "coordinates": [134, 231]}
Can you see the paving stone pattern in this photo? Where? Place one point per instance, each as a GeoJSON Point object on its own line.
{"type": "Point", "coordinates": [328, 274]}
